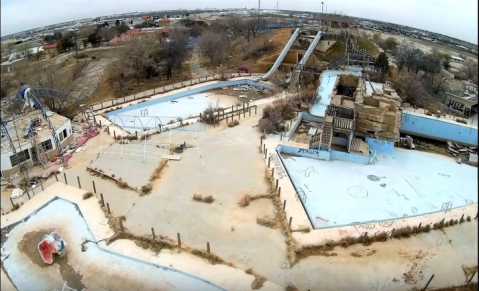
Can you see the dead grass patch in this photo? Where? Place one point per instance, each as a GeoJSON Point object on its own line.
{"type": "Point", "coordinates": [157, 172]}
{"type": "Point", "coordinates": [291, 287]}
{"type": "Point", "coordinates": [146, 189]}
{"type": "Point", "coordinates": [233, 123]}
{"type": "Point", "coordinates": [87, 195]}
{"type": "Point", "coordinates": [244, 200]}
{"type": "Point", "coordinates": [267, 221]}
{"type": "Point", "coordinates": [205, 199]}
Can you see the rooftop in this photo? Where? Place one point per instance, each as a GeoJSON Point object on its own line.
{"type": "Point", "coordinates": [21, 123]}
{"type": "Point", "coordinates": [444, 118]}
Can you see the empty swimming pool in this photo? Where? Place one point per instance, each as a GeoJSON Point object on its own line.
{"type": "Point", "coordinates": [407, 183]}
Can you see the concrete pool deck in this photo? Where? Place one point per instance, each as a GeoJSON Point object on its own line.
{"type": "Point", "coordinates": [220, 275]}
{"type": "Point", "coordinates": [408, 183]}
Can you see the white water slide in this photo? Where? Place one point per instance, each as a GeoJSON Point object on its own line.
{"type": "Point", "coordinates": [282, 55]}
{"type": "Point", "coordinates": [307, 54]}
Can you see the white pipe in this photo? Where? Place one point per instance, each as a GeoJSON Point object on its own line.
{"type": "Point", "coordinates": [198, 148]}
{"type": "Point", "coordinates": [144, 149]}
{"type": "Point", "coordinates": [121, 140]}
{"type": "Point", "coordinates": [101, 140]}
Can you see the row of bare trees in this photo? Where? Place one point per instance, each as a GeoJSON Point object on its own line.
{"type": "Point", "coordinates": [150, 55]}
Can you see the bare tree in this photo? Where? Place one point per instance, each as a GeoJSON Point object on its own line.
{"type": "Point", "coordinates": [107, 33]}
{"type": "Point", "coordinates": [212, 45]}
{"type": "Point", "coordinates": [469, 69]}
{"type": "Point", "coordinates": [174, 50]}
{"type": "Point", "coordinates": [136, 56]}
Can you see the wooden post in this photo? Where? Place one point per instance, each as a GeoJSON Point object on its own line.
{"type": "Point", "coordinates": [284, 204]}
{"type": "Point", "coordinates": [56, 177]}
{"type": "Point", "coordinates": [136, 134]}
{"type": "Point", "coordinates": [102, 200]}
{"type": "Point", "coordinates": [65, 176]}
{"type": "Point", "coordinates": [153, 232]}
{"type": "Point", "coordinates": [264, 146]}
{"type": "Point", "coordinates": [392, 232]}
{"type": "Point", "coordinates": [79, 184]}
{"type": "Point", "coordinates": [108, 208]}
{"type": "Point", "coordinates": [269, 161]}
{"type": "Point", "coordinates": [255, 107]}
{"type": "Point", "coordinates": [470, 279]}
{"type": "Point", "coordinates": [94, 187]}
{"type": "Point", "coordinates": [114, 135]}
{"type": "Point", "coordinates": [261, 141]}
{"type": "Point", "coordinates": [279, 190]}
{"type": "Point", "coordinates": [281, 136]}
{"type": "Point", "coordinates": [121, 224]}
{"type": "Point", "coordinates": [13, 204]}
{"type": "Point", "coordinates": [179, 239]}
{"type": "Point", "coordinates": [41, 184]}
{"type": "Point", "coordinates": [265, 152]}
{"type": "Point", "coordinates": [244, 111]}
{"type": "Point", "coordinates": [276, 184]}
{"type": "Point", "coordinates": [290, 221]}
{"type": "Point", "coordinates": [428, 282]}
{"type": "Point", "coordinates": [418, 228]}
{"type": "Point", "coordinates": [462, 219]}
{"type": "Point", "coordinates": [208, 247]}
{"type": "Point", "coordinates": [249, 110]}
{"type": "Point", "coordinates": [272, 172]}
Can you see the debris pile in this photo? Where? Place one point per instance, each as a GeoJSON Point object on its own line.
{"type": "Point", "coordinates": [51, 244]}
{"type": "Point", "coordinates": [379, 114]}
{"type": "Point", "coordinates": [462, 153]}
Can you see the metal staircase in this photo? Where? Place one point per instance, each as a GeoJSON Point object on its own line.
{"type": "Point", "coordinates": [327, 133]}
{"type": "Point", "coordinates": [90, 117]}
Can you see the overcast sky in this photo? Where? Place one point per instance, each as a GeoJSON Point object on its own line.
{"type": "Point", "coordinates": [453, 18]}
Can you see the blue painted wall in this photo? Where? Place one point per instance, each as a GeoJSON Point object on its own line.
{"type": "Point", "coordinates": [190, 92]}
{"type": "Point", "coordinates": [438, 129]}
{"type": "Point", "coordinates": [313, 154]}
{"type": "Point", "coordinates": [342, 156]}
{"type": "Point", "coordinates": [381, 146]}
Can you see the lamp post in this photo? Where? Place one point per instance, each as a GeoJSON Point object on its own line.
{"type": "Point", "coordinates": [322, 6]}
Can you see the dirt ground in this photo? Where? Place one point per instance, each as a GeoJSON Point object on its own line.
{"type": "Point", "coordinates": [250, 94]}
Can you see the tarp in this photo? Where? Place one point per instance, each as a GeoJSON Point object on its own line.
{"type": "Point", "coordinates": [81, 141]}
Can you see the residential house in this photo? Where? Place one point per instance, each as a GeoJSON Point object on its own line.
{"type": "Point", "coordinates": [50, 48]}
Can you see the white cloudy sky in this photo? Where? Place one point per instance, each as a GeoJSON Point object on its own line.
{"type": "Point", "coordinates": [454, 18]}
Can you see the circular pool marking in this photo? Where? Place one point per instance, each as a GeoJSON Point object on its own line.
{"type": "Point", "coordinates": [358, 192]}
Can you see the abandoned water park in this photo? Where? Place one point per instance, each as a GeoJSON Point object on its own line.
{"type": "Point", "coordinates": [237, 181]}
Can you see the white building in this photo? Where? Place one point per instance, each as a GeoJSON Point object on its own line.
{"type": "Point", "coordinates": [24, 146]}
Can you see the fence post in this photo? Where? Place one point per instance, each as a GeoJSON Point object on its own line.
{"type": "Point", "coordinates": [179, 239]}
{"type": "Point", "coordinates": [265, 153]}
{"type": "Point", "coordinates": [102, 200]}
{"type": "Point", "coordinates": [284, 204]}
{"type": "Point", "coordinates": [244, 112]}
{"type": "Point", "coordinates": [153, 232]}
{"type": "Point", "coordinates": [208, 247]}
{"type": "Point", "coordinates": [108, 208]}
{"type": "Point", "coordinates": [418, 227]}
{"type": "Point", "coordinates": [112, 103]}
{"type": "Point", "coordinates": [279, 191]}
{"type": "Point", "coordinates": [428, 282]}
{"type": "Point", "coordinates": [65, 176]}
{"type": "Point", "coordinates": [272, 172]}
{"type": "Point", "coordinates": [79, 184]}
{"type": "Point", "coordinates": [41, 184]}
{"type": "Point", "coordinates": [56, 177]}
{"type": "Point", "coordinates": [255, 107]}
{"type": "Point", "coordinates": [269, 162]}
{"type": "Point", "coordinates": [114, 135]}
{"type": "Point", "coordinates": [13, 204]}
{"type": "Point", "coordinates": [470, 279]}
{"type": "Point", "coordinates": [94, 187]}
{"type": "Point", "coordinates": [290, 221]}
{"type": "Point", "coordinates": [276, 184]}
{"type": "Point", "coordinates": [121, 224]}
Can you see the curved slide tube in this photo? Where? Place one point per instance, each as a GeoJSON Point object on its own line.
{"type": "Point", "coordinates": [281, 56]}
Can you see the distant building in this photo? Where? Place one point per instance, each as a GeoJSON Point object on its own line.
{"type": "Point", "coordinates": [470, 86]}
{"type": "Point", "coordinates": [464, 105]}
{"type": "Point", "coordinates": [164, 22]}
{"type": "Point", "coordinates": [50, 48]}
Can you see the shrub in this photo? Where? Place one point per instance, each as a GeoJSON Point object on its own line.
{"type": "Point", "coordinates": [208, 199]}
{"type": "Point", "coordinates": [244, 201]}
{"type": "Point", "coordinates": [87, 195]}
{"type": "Point", "coordinates": [146, 189]}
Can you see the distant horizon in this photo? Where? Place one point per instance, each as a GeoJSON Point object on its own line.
{"type": "Point", "coordinates": [465, 28]}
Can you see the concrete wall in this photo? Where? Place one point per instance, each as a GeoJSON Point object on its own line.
{"type": "Point", "coordinates": [307, 153]}
{"type": "Point", "coordinates": [342, 156]}
{"type": "Point", "coordinates": [188, 93]}
{"type": "Point", "coordinates": [438, 129]}
{"type": "Point", "coordinates": [324, 45]}
{"type": "Point", "coordinates": [380, 146]}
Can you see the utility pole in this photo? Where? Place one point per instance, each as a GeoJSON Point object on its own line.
{"type": "Point", "coordinates": [322, 5]}
{"type": "Point", "coordinates": [259, 9]}
{"type": "Point", "coordinates": [76, 45]}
